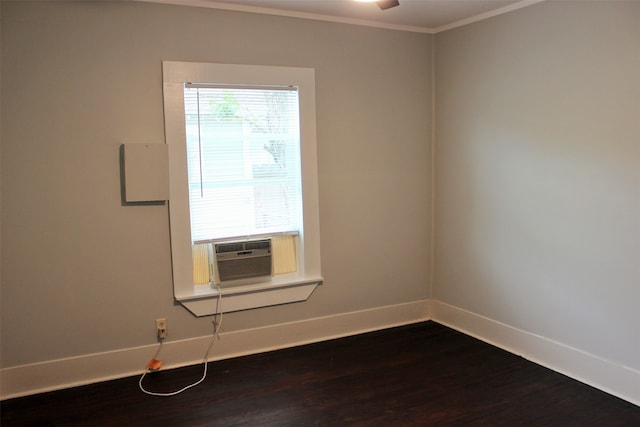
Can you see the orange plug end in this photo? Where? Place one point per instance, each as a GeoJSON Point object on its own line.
{"type": "Point", "coordinates": [154, 364]}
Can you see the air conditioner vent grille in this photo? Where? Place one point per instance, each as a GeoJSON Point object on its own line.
{"type": "Point", "coordinates": [258, 244]}
{"type": "Point", "coordinates": [243, 260]}
{"type": "Point", "coordinates": [229, 247]}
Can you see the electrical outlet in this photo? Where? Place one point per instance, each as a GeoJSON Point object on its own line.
{"type": "Point", "coordinates": [161, 328]}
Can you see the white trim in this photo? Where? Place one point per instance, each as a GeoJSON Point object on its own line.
{"type": "Point", "coordinates": [344, 20]}
{"type": "Point", "coordinates": [246, 297]}
{"type": "Point", "coordinates": [91, 368]}
{"type": "Point", "coordinates": [58, 374]}
{"type": "Point", "coordinates": [174, 76]}
{"type": "Point", "coordinates": [291, 14]}
{"type": "Point", "coordinates": [606, 375]}
{"type": "Point", "coordinates": [486, 15]}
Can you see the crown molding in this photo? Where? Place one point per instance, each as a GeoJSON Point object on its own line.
{"type": "Point", "coordinates": [343, 20]}
{"type": "Point", "coordinates": [486, 15]}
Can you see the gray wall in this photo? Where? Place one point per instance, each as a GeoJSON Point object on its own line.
{"type": "Point", "coordinates": [82, 274]}
{"type": "Point", "coordinates": [538, 173]}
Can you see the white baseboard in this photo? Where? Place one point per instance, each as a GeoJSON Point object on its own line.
{"type": "Point", "coordinates": [91, 368]}
{"type": "Point", "coordinates": [620, 381]}
{"type": "Point", "coordinates": [612, 378]}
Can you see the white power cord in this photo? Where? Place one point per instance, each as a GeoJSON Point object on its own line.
{"type": "Point", "coordinates": [217, 327]}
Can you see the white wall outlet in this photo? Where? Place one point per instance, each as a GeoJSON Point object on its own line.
{"type": "Point", "coordinates": [161, 328]}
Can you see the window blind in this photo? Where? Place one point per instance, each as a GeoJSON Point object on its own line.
{"type": "Point", "coordinates": [243, 150]}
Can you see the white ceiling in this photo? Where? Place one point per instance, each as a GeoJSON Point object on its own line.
{"type": "Point", "coordinates": [428, 16]}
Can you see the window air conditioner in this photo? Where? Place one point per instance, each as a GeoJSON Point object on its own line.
{"type": "Point", "coordinates": [243, 260]}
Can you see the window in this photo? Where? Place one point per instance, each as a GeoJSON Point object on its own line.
{"type": "Point", "coordinates": [243, 165]}
{"type": "Point", "coordinates": [243, 157]}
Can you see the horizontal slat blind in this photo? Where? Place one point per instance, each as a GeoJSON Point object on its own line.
{"type": "Point", "coordinates": [243, 160]}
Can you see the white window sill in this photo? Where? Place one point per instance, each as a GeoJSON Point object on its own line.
{"type": "Point", "coordinates": [204, 301]}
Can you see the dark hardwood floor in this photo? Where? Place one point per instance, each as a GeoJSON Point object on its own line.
{"type": "Point", "coordinates": [418, 375]}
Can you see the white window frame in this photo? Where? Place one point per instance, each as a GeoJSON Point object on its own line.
{"type": "Point", "coordinates": [201, 300]}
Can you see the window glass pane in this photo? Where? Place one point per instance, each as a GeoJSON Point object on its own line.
{"type": "Point", "coordinates": [243, 149]}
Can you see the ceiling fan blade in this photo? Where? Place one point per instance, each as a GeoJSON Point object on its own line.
{"type": "Point", "coordinates": [387, 4]}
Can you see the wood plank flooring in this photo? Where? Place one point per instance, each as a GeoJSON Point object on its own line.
{"type": "Point", "coordinates": [418, 375]}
